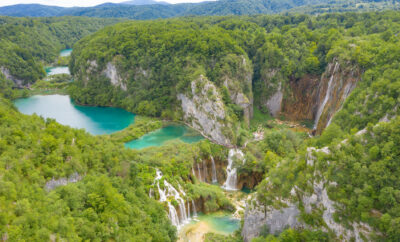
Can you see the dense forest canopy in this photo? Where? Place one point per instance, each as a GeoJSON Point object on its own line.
{"type": "Point", "coordinates": [356, 156]}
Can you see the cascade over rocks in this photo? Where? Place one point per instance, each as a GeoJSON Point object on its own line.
{"type": "Point", "coordinates": [313, 97]}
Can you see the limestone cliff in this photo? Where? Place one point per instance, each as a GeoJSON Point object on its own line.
{"type": "Point", "coordinates": [239, 85]}
{"type": "Point", "coordinates": [17, 82]}
{"type": "Point", "coordinates": [311, 97]}
{"type": "Point", "coordinates": [288, 215]}
{"type": "Point", "coordinates": [204, 110]}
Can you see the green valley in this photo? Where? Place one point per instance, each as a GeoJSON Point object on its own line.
{"type": "Point", "coordinates": [208, 128]}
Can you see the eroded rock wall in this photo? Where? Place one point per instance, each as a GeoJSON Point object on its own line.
{"type": "Point", "coordinates": [204, 110]}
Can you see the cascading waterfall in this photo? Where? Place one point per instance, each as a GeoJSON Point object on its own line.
{"type": "Point", "coordinates": [205, 171]}
{"type": "Point", "coordinates": [194, 209]}
{"type": "Point", "coordinates": [326, 99]}
{"type": "Point", "coordinates": [173, 192]}
{"type": "Point", "coordinates": [214, 171]}
{"type": "Point", "coordinates": [193, 172]}
{"type": "Point", "coordinates": [170, 191]}
{"type": "Point", "coordinates": [231, 179]}
{"type": "Point", "coordinates": [198, 169]}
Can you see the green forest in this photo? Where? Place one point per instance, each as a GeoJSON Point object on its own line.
{"type": "Point", "coordinates": [27, 44]}
{"type": "Point", "coordinates": [60, 183]}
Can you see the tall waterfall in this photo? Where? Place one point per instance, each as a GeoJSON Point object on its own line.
{"type": "Point", "coordinates": [214, 172]}
{"type": "Point", "coordinates": [231, 179]}
{"type": "Point", "coordinates": [326, 99]}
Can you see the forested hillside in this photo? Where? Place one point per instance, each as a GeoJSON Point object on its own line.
{"type": "Point", "coordinates": [219, 8]}
{"type": "Point", "coordinates": [108, 203]}
{"type": "Point", "coordinates": [27, 44]}
{"type": "Point", "coordinates": [302, 109]}
{"type": "Point", "coordinates": [338, 70]}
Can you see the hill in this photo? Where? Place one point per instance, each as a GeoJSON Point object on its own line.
{"type": "Point", "coordinates": [148, 10]}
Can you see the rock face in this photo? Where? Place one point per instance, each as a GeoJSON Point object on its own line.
{"type": "Point", "coordinates": [204, 110]}
{"type": "Point", "coordinates": [53, 183]}
{"type": "Point", "coordinates": [7, 75]}
{"type": "Point", "coordinates": [112, 73]}
{"type": "Point", "coordinates": [276, 220]}
{"type": "Point", "coordinates": [240, 87]}
{"type": "Point", "coordinates": [311, 97]}
{"type": "Point", "coordinates": [336, 85]}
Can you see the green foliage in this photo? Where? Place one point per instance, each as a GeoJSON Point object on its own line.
{"type": "Point", "coordinates": [26, 42]}
{"type": "Point", "coordinates": [109, 203]}
{"type": "Point", "coordinates": [295, 236]}
{"type": "Point", "coordinates": [140, 127]}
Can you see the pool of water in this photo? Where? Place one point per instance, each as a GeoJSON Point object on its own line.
{"type": "Point", "coordinates": [65, 52]}
{"type": "Point", "coordinates": [219, 223]}
{"type": "Point", "coordinates": [95, 120]}
{"type": "Point", "coordinates": [163, 135]}
{"type": "Point", "coordinates": [57, 70]}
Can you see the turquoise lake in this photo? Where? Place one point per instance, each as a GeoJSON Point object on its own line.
{"type": "Point", "coordinates": [95, 120]}
{"type": "Point", "coordinates": [65, 52]}
{"type": "Point", "coordinates": [163, 135]}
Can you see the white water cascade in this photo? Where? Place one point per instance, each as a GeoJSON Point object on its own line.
{"type": "Point", "coordinates": [231, 179]}
{"type": "Point", "coordinates": [326, 99]}
{"type": "Point", "coordinates": [214, 172]}
{"type": "Point", "coordinates": [170, 191]}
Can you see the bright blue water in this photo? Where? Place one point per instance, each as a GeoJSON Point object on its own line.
{"type": "Point", "coordinates": [96, 120]}
{"type": "Point", "coordinates": [65, 52]}
{"type": "Point", "coordinates": [163, 135]}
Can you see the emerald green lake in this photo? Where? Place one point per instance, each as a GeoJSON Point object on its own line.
{"type": "Point", "coordinates": [65, 52]}
{"type": "Point", "coordinates": [163, 135]}
{"type": "Point", "coordinates": [95, 120]}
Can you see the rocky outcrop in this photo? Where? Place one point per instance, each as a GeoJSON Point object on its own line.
{"type": "Point", "coordinates": [203, 170]}
{"type": "Point", "coordinates": [54, 183]}
{"type": "Point", "coordinates": [311, 97]}
{"type": "Point", "coordinates": [274, 103]}
{"type": "Point", "coordinates": [18, 83]}
{"type": "Point", "coordinates": [336, 85]}
{"type": "Point", "coordinates": [204, 110]}
{"type": "Point", "coordinates": [272, 98]}
{"type": "Point", "coordinates": [240, 87]}
{"type": "Point", "coordinates": [111, 72]}
{"type": "Point", "coordinates": [275, 220]}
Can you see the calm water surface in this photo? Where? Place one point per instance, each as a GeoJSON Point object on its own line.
{"type": "Point", "coordinates": [163, 135]}
{"type": "Point", "coordinates": [95, 120]}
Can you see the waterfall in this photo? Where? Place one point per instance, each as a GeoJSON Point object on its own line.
{"type": "Point", "coordinates": [193, 172]}
{"type": "Point", "coordinates": [198, 169]}
{"type": "Point", "coordinates": [326, 99]}
{"type": "Point", "coordinates": [151, 192]}
{"type": "Point", "coordinates": [173, 215]}
{"type": "Point", "coordinates": [205, 171]}
{"type": "Point", "coordinates": [214, 172]}
{"type": "Point", "coordinates": [231, 179]}
{"type": "Point", "coordinates": [170, 191]}
{"type": "Point", "coordinates": [194, 209]}
{"type": "Point", "coordinates": [182, 209]}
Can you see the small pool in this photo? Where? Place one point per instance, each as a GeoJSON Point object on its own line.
{"type": "Point", "coordinates": [57, 70]}
{"type": "Point", "coordinates": [163, 135]}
